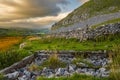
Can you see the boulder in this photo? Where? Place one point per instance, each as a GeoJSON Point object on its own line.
{"type": "Point", "coordinates": [60, 72]}
{"type": "Point", "coordinates": [13, 75]}
{"type": "Point", "coordinates": [72, 68]}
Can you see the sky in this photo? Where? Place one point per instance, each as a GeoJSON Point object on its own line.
{"type": "Point", "coordinates": [35, 13]}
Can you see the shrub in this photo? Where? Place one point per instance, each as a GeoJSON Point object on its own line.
{"type": "Point", "coordinates": [54, 62]}
{"type": "Point", "coordinates": [33, 67]}
{"type": "Point", "coordinates": [8, 58]}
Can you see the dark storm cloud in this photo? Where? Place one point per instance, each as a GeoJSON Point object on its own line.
{"type": "Point", "coordinates": [18, 9]}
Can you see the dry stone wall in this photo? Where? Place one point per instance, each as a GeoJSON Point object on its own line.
{"type": "Point", "coordinates": [87, 33]}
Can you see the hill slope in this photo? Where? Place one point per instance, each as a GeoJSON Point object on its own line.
{"type": "Point", "coordinates": [90, 9]}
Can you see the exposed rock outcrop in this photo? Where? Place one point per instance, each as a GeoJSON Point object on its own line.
{"type": "Point", "coordinates": [89, 22]}
{"type": "Point", "coordinates": [87, 33]}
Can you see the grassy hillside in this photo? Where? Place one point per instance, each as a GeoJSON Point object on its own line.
{"type": "Point", "coordinates": [89, 9]}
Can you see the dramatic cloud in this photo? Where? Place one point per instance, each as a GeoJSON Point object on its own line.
{"type": "Point", "coordinates": [17, 9]}
{"type": "Point", "coordinates": [34, 22]}
{"type": "Point", "coordinates": [32, 13]}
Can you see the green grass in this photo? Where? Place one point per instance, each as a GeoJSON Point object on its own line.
{"type": "Point", "coordinates": [78, 60]}
{"type": "Point", "coordinates": [12, 55]}
{"type": "Point", "coordinates": [104, 23]}
{"type": "Point", "coordinates": [8, 58]}
{"type": "Point", "coordinates": [75, 77]}
{"type": "Point", "coordinates": [53, 62]}
{"type": "Point", "coordinates": [2, 78]}
{"type": "Point", "coordinates": [115, 66]}
{"type": "Point", "coordinates": [101, 43]}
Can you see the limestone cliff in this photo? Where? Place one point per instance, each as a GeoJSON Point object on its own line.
{"type": "Point", "coordinates": [88, 11]}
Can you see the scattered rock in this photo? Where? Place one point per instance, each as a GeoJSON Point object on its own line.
{"type": "Point", "coordinates": [96, 59]}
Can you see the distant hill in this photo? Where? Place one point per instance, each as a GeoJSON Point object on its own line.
{"type": "Point", "coordinates": [13, 32]}
{"type": "Point", "coordinates": [88, 10]}
{"type": "Point", "coordinates": [21, 32]}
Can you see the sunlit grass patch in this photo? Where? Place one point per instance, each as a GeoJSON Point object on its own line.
{"type": "Point", "coordinates": [8, 42]}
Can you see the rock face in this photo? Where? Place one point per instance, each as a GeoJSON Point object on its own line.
{"type": "Point", "coordinates": [89, 22]}
{"type": "Point", "coordinates": [90, 13]}
{"type": "Point", "coordinates": [87, 33]}
{"type": "Point", "coordinates": [99, 60]}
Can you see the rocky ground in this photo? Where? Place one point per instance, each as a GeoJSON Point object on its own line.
{"type": "Point", "coordinates": [91, 64]}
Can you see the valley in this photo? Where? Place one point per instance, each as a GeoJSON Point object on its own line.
{"type": "Point", "coordinates": [84, 45]}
